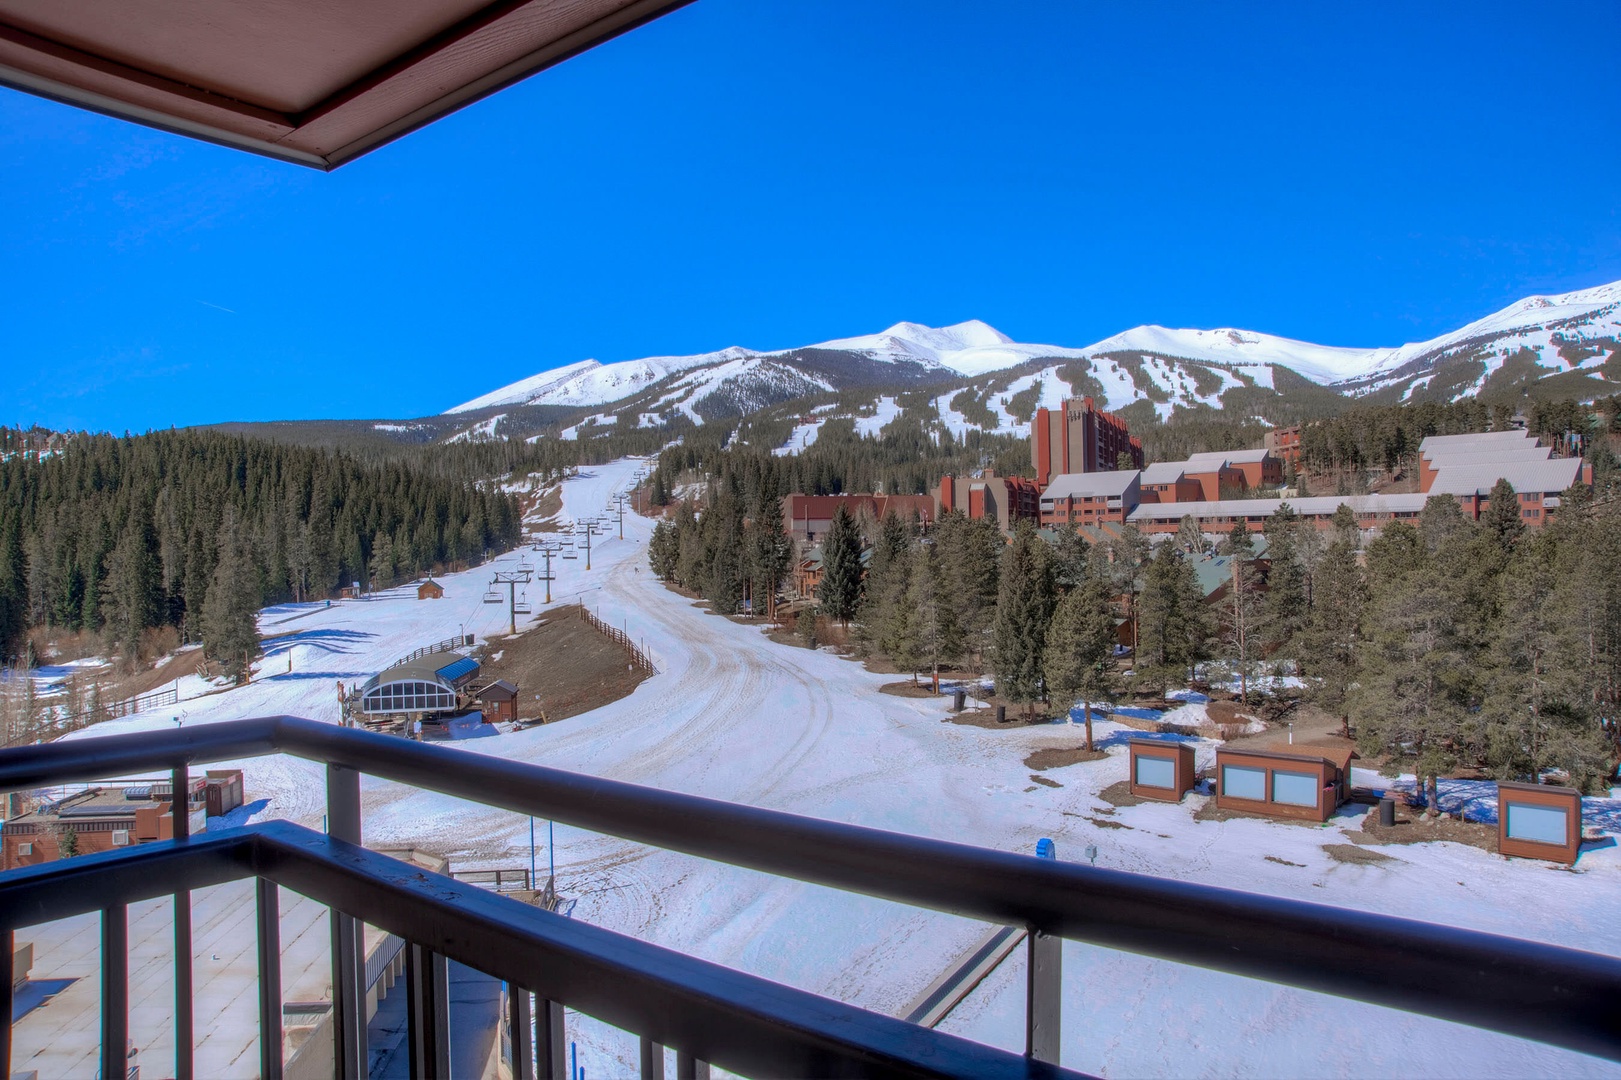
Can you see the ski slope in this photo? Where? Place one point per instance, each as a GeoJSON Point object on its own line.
{"type": "Point", "coordinates": [731, 715]}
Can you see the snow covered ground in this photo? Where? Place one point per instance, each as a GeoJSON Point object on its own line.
{"type": "Point", "coordinates": [733, 716]}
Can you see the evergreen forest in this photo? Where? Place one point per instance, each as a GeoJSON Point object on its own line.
{"type": "Point", "coordinates": [196, 530]}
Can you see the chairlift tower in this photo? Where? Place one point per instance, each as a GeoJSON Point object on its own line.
{"type": "Point", "coordinates": [619, 502]}
{"type": "Point", "coordinates": [588, 529]}
{"type": "Point", "coordinates": [546, 552]}
{"type": "Point", "coordinates": [511, 579]}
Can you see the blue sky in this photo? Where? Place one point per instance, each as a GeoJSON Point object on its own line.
{"type": "Point", "coordinates": [777, 174]}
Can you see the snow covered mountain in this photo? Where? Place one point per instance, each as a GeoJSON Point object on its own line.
{"type": "Point", "coordinates": [980, 377]}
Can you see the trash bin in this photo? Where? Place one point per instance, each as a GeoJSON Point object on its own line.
{"type": "Point", "coordinates": [1387, 811]}
{"type": "Point", "coordinates": [1001, 714]}
{"type": "Point", "coordinates": [959, 700]}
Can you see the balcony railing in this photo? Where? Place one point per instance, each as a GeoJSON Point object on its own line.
{"type": "Point", "coordinates": [706, 1012]}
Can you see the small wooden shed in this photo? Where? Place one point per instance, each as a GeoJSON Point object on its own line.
{"type": "Point", "coordinates": [1161, 770]}
{"type": "Point", "coordinates": [223, 791]}
{"type": "Point", "coordinates": [499, 701]}
{"type": "Point", "coordinates": [430, 590]}
{"type": "Point", "coordinates": [1539, 821]}
{"type": "Point", "coordinates": [1305, 784]}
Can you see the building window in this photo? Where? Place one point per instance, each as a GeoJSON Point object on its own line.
{"type": "Point", "coordinates": [1156, 772]}
{"type": "Point", "coordinates": [1243, 782]}
{"type": "Point", "coordinates": [1294, 788]}
{"type": "Point", "coordinates": [1539, 824]}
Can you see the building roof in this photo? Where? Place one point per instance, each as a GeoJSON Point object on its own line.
{"type": "Point", "coordinates": [1214, 571]}
{"type": "Point", "coordinates": [448, 668]}
{"type": "Point", "coordinates": [98, 802]}
{"type": "Point", "coordinates": [1247, 457]}
{"type": "Point", "coordinates": [1479, 440]}
{"type": "Point", "coordinates": [1112, 484]}
{"type": "Point", "coordinates": [1313, 506]}
{"type": "Point", "coordinates": [1164, 472]}
{"type": "Point", "coordinates": [1209, 461]}
{"type": "Point", "coordinates": [499, 690]}
{"type": "Point", "coordinates": [1338, 753]}
{"type": "Point", "coordinates": [1552, 475]}
{"type": "Point", "coordinates": [308, 81]}
{"type": "Point", "coordinates": [458, 669]}
{"type": "Point", "coordinates": [1492, 455]}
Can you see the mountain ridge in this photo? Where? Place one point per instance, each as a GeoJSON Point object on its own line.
{"type": "Point", "coordinates": [982, 374]}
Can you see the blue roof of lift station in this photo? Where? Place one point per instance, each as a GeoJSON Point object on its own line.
{"type": "Point", "coordinates": [457, 669]}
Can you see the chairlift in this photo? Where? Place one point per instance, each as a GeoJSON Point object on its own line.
{"type": "Point", "coordinates": [570, 555]}
{"type": "Point", "coordinates": [525, 566]}
{"type": "Point", "coordinates": [492, 597]}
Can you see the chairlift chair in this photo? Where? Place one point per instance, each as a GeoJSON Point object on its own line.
{"type": "Point", "coordinates": [492, 597]}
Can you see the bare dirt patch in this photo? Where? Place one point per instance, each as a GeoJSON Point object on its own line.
{"type": "Point", "coordinates": [571, 666]}
{"type": "Point", "coordinates": [1412, 829]}
{"type": "Point", "coordinates": [1053, 757]}
{"type": "Point", "coordinates": [1105, 823]}
{"type": "Point", "coordinates": [907, 689]}
{"type": "Point", "coordinates": [1357, 856]}
{"type": "Point", "coordinates": [1119, 794]}
{"type": "Point", "coordinates": [545, 510]}
{"type": "Point", "coordinates": [1044, 781]}
{"type": "Point", "coordinates": [1286, 862]}
{"type": "Point", "coordinates": [153, 679]}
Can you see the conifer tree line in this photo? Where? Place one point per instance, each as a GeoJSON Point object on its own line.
{"type": "Point", "coordinates": [1387, 436]}
{"type": "Point", "coordinates": [903, 461]}
{"type": "Point", "coordinates": [197, 530]}
{"type": "Point", "coordinates": [1445, 646]}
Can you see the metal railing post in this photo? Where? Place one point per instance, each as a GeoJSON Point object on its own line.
{"type": "Point", "coordinates": [551, 1042]}
{"type": "Point", "coordinates": [114, 991]}
{"type": "Point", "coordinates": [348, 941]}
{"type": "Point", "coordinates": [180, 811]}
{"type": "Point", "coordinates": [521, 1030]}
{"type": "Point", "coordinates": [427, 980]}
{"type": "Point", "coordinates": [7, 944]}
{"type": "Point", "coordinates": [688, 1067]}
{"type": "Point", "coordinates": [652, 1060]}
{"type": "Point", "coordinates": [1044, 996]}
{"type": "Point", "coordinates": [270, 1017]}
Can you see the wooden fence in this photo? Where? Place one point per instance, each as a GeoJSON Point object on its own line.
{"type": "Point", "coordinates": [118, 709]}
{"type": "Point", "coordinates": [619, 637]}
{"type": "Point", "coordinates": [439, 646]}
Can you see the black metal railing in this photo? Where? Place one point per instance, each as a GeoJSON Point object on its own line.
{"type": "Point", "coordinates": [709, 1013]}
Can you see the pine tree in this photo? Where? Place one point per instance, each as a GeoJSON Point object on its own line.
{"type": "Point", "coordinates": [1080, 649]}
{"type": "Point", "coordinates": [970, 561]}
{"type": "Point", "coordinates": [132, 592]}
{"type": "Point", "coordinates": [1333, 636]}
{"type": "Point", "coordinates": [1173, 624]}
{"type": "Point", "coordinates": [1128, 555]}
{"type": "Point", "coordinates": [1502, 517]}
{"type": "Point", "coordinates": [884, 619]}
{"type": "Point", "coordinates": [663, 550]}
{"type": "Point", "coordinates": [1072, 558]}
{"type": "Point", "coordinates": [939, 638]}
{"type": "Point", "coordinates": [1285, 607]}
{"type": "Point", "coordinates": [229, 623]}
{"type": "Point", "coordinates": [1240, 610]}
{"type": "Point", "coordinates": [13, 593]}
{"type": "Point", "coordinates": [839, 591]}
{"type": "Point", "coordinates": [1409, 704]}
{"type": "Point", "coordinates": [1024, 606]}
